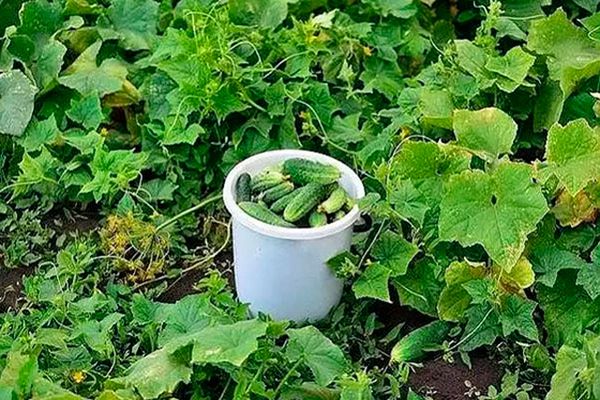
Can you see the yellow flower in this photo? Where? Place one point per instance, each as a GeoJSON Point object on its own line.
{"type": "Point", "coordinates": [368, 51]}
{"type": "Point", "coordinates": [78, 376]}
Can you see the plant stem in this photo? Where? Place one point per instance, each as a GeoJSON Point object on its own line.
{"type": "Point", "coordinates": [189, 211]}
{"type": "Point", "coordinates": [286, 377]}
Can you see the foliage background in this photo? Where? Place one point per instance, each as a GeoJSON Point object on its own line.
{"type": "Point", "coordinates": [472, 124]}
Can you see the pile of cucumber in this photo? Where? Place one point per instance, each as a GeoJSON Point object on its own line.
{"type": "Point", "coordinates": [298, 193]}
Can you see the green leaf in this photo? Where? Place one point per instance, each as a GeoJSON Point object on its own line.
{"type": "Point", "coordinates": [178, 135]}
{"type": "Point", "coordinates": [488, 132]}
{"type": "Point", "coordinates": [480, 290]}
{"type": "Point", "coordinates": [227, 343]}
{"type": "Point", "coordinates": [454, 299]}
{"type": "Point", "coordinates": [512, 68]}
{"type": "Point", "coordinates": [39, 133]}
{"type": "Point", "coordinates": [225, 101]}
{"type": "Point", "coordinates": [112, 171]}
{"type": "Point", "coordinates": [573, 154]}
{"type": "Point", "coordinates": [483, 327]}
{"type": "Point", "coordinates": [394, 252]}
{"type": "Point", "coordinates": [429, 166]}
{"type": "Point", "coordinates": [316, 351]}
{"type": "Point", "coordinates": [548, 261]}
{"type": "Point", "coordinates": [408, 201]}
{"type": "Point", "coordinates": [473, 59]}
{"type": "Point", "coordinates": [568, 310]}
{"type": "Point", "coordinates": [89, 79]}
{"type": "Point", "coordinates": [96, 334]}
{"type": "Point", "coordinates": [190, 314]}
{"type": "Point", "coordinates": [48, 64]}
{"type": "Point", "coordinates": [86, 111]}
{"type": "Point", "coordinates": [589, 275]}
{"type": "Point", "coordinates": [383, 76]}
{"type": "Point", "coordinates": [159, 189]}
{"type": "Point", "coordinates": [421, 286]}
{"type": "Point", "coordinates": [397, 8]}
{"type": "Point", "coordinates": [262, 13]}
{"type": "Point", "coordinates": [322, 102]}
{"type": "Point", "coordinates": [19, 373]}
{"type": "Point", "coordinates": [517, 316]}
{"type": "Point", "coordinates": [373, 283]}
{"type": "Point", "coordinates": [345, 130]}
{"type": "Point", "coordinates": [497, 210]}
{"type": "Point", "coordinates": [520, 277]}
{"type": "Point", "coordinates": [16, 102]}
{"type": "Point", "coordinates": [156, 374]}
{"type": "Point", "coordinates": [570, 362]}
{"type": "Point", "coordinates": [571, 56]}
{"type": "Point", "coordinates": [43, 389]}
{"type": "Point", "coordinates": [436, 107]}
{"type": "Point", "coordinates": [588, 5]}
{"type": "Point", "coordinates": [358, 388]}
{"type": "Point", "coordinates": [38, 169]}
{"type": "Point", "coordinates": [134, 21]}
{"type": "Point", "coordinates": [40, 19]}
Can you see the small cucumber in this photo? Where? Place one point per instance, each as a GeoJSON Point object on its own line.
{"type": "Point", "coordinates": [350, 203]}
{"type": "Point", "coordinates": [307, 198]}
{"type": "Point", "coordinates": [303, 171]}
{"type": "Point", "coordinates": [277, 192]}
{"type": "Point", "coordinates": [262, 213]}
{"type": "Point", "coordinates": [266, 180]}
{"type": "Point", "coordinates": [243, 188]}
{"type": "Point", "coordinates": [412, 347]}
{"type": "Point", "coordinates": [335, 201]}
{"type": "Point", "coordinates": [282, 203]}
{"type": "Point", "coordinates": [316, 219]}
{"type": "Point", "coordinates": [339, 215]}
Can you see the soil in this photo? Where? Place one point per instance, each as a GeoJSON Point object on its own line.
{"type": "Point", "coordinates": [10, 286]}
{"type": "Point", "coordinates": [184, 285]}
{"type": "Point", "coordinates": [440, 380]}
{"type": "Point", "coordinates": [81, 222]}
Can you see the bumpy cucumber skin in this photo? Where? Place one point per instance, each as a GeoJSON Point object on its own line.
{"type": "Point", "coordinates": [307, 199]}
{"type": "Point", "coordinates": [243, 188]}
{"type": "Point", "coordinates": [335, 201]}
{"type": "Point", "coordinates": [282, 202]}
{"type": "Point", "coordinates": [410, 347]}
{"type": "Point", "coordinates": [262, 213]}
{"type": "Point", "coordinates": [339, 215]}
{"type": "Point", "coordinates": [316, 219]}
{"type": "Point", "coordinates": [277, 192]}
{"type": "Point", "coordinates": [303, 172]}
{"type": "Point", "coordinates": [350, 203]}
{"type": "Point", "coordinates": [266, 180]}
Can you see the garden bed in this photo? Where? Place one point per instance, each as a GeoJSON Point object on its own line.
{"type": "Point", "coordinates": [473, 126]}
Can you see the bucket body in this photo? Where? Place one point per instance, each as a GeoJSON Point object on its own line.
{"type": "Point", "coordinates": [282, 271]}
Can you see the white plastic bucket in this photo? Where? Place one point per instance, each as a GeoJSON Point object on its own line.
{"type": "Point", "coordinates": [282, 271]}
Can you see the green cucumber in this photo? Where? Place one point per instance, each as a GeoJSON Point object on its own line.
{"type": "Point", "coordinates": [277, 192]}
{"type": "Point", "coordinates": [350, 203]}
{"type": "Point", "coordinates": [335, 201]}
{"type": "Point", "coordinates": [316, 219]}
{"type": "Point", "coordinates": [262, 213]}
{"type": "Point", "coordinates": [412, 347]}
{"type": "Point", "coordinates": [282, 203]}
{"type": "Point", "coordinates": [266, 180]}
{"type": "Point", "coordinates": [339, 215]}
{"type": "Point", "coordinates": [307, 198]}
{"type": "Point", "coordinates": [243, 188]}
{"type": "Point", "coordinates": [303, 171]}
